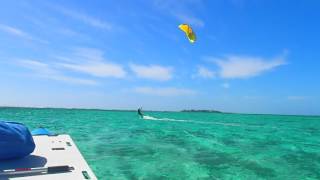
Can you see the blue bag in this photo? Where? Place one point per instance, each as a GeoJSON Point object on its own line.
{"type": "Point", "coordinates": [15, 141]}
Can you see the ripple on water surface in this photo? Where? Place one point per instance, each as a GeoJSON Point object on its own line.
{"type": "Point", "coordinates": [120, 145]}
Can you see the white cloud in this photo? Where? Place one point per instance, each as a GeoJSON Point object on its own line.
{"type": "Point", "coordinates": [37, 66]}
{"type": "Point", "coordinates": [166, 91]}
{"type": "Point", "coordinates": [46, 71]}
{"type": "Point", "coordinates": [74, 80]}
{"type": "Point", "coordinates": [15, 31]}
{"type": "Point", "coordinates": [225, 85]}
{"type": "Point", "coordinates": [94, 22]}
{"type": "Point", "coordinates": [245, 66]}
{"type": "Point", "coordinates": [20, 33]}
{"type": "Point", "coordinates": [154, 72]}
{"type": "Point", "coordinates": [91, 61]}
{"type": "Point", "coordinates": [204, 72]}
{"type": "Point", "coordinates": [97, 69]}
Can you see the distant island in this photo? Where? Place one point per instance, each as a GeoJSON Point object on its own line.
{"type": "Point", "coordinates": [97, 109]}
{"type": "Point", "coordinates": [201, 110]}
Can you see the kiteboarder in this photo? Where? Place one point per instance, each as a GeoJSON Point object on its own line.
{"type": "Point", "coordinates": [140, 112]}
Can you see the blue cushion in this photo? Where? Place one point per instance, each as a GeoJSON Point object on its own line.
{"type": "Point", "coordinates": [15, 140]}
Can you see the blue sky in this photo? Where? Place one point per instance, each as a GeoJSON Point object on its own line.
{"type": "Point", "coordinates": [250, 56]}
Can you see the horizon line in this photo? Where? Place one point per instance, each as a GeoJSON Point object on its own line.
{"type": "Point", "coordinates": [102, 109]}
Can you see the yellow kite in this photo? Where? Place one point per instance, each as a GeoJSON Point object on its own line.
{"type": "Point", "coordinates": [189, 32]}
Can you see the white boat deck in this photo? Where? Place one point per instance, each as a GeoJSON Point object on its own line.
{"type": "Point", "coordinates": [51, 151]}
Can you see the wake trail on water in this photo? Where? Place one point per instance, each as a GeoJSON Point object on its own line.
{"type": "Point", "coordinates": [162, 119]}
{"type": "Point", "coordinates": [188, 121]}
{"type": "Point", "coordinates": [200, 122]}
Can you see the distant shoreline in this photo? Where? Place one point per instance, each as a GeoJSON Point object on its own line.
{"type": "Point", "coordinates": [201, 110]}
{"type": "Point", "coordinates": [134, 110]}
{"type": "Point", "coordinates": [130, 110]}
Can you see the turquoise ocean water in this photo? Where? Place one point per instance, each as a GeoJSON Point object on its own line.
{"type": "Point", "coordinates": [176, 145]}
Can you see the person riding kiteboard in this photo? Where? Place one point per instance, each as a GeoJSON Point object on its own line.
{"type": "Point", "coordinates": [140, 112]}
